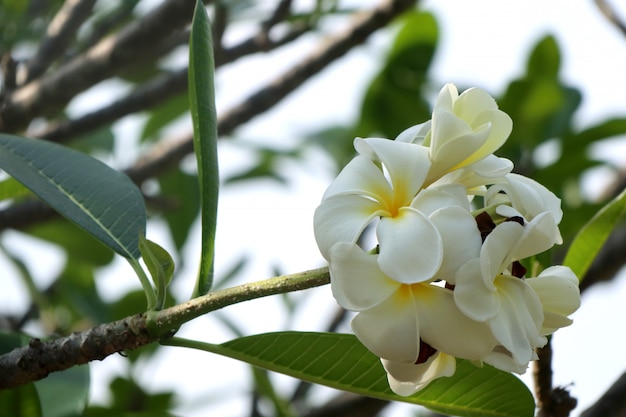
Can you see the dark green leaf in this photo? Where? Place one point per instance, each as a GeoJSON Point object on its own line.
{"type": "Point", "coordinates": [20, 402]}
{"type": "Point", "coordinates": [164, 114]}
{"type": "Point", "coordinates": [64, 394]}
{"type": "Point", "coordinates": [545, 59]}
{"type": "Point", "coordinates": [11, 188]}
{"type": "Point", "coordinates": [99, 199]}
{"type": "Point", "coordinates": [203, 114]}
{"type": "Point", "coordinates": [341, 361]}
{"type": "Point", "coordinates": [180, 190]}
{"type": "Point", "coordinates": [592, 236]}
{"type": "Point", "coordinates": [394, 100]}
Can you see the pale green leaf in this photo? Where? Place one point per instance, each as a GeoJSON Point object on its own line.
{"type": "Point", "coordinates": [99, 199]}
{"type": "Point", "coordinates": [592, 236]}
{"type": "Point", "coordinates": [203, 114]}
{"type": "Point", "coordinates": [340, 361]}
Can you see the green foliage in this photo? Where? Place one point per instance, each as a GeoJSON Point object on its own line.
{"type": "Point", "coordinates": [203, 114]}
{"type": "Point", "coordinates": [394, 100]}
{"type": "Point", "coordinates": [161, 267]}
{"type": "Point", "coordinates": [99, 199]}
{"type": "Point", "coordinates": [341, 361]}
{"type": "Point", "coordinates": [131, 400]}
{"type": "Point", "coordinates": [592, 236]}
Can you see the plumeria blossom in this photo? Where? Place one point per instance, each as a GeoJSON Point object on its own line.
{"type": "Point", "coordinates": [488, 290]}
{"type": "Point", "coordinates": [416, 230]}
{"type": "Point", "coordinates": [441, 282]}
{"type": "Point", "coordinates": [395, 318]}
{"type": "Point", "coordinates": [465, 129]}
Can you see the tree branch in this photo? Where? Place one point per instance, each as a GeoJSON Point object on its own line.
{"type": "Point", "coordinates": [612, 403]}
{"type": "Point", "coordinates": [35, 361]}
{"type": "Point", "coordinates": [60, 32]}
{"type": "Point", "coordinates": [133, 45]}
{"type": "Point", "coordinates": [611, 16]}
{"type": "Point", "coordinates": [165, 155]}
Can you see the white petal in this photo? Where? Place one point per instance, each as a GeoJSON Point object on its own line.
{"type": "Point", "coordinates": [435, 198]}
{"type": "Point", "coordinates": [407, 164]}
{"type": "Point", "coordinates": [518, 322]}
{"type": "Point", "coordinates": [406, 379]}
{"type": "Point", "coordinates": [498, 249]}
{"type": "Point", "coordinates": [557, 289]}
{"type": "Point", "coordinates": [414, 134]}
{"type": "Point", "coordinates": [410, 247]}
{"type": "Point", "coordinates": [355, 279]}
{"type": "Point", "coordinates": [539, 236]}
{"type": "Point", "coordinates": [473, 296]}
{"type": "Point", "coordinates": [460, 237]}
{"type": "Point", "coordinates": [391, 329]}
{"type": "Point", "coordinates": [361, 177]}
{"type": "Point", "coordinates": [444, 327]}
{"type": "Point", "coordinates": [472, 102]}
{"type": "Point", "coordinates": [491, 167]}
{"type": "Point", "coordinates": [342, 219]}
{"type": "Point", "coordinates": [502, 359]}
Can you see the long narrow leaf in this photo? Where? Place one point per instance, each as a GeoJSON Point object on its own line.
{"type": "Point", "coordinates": [340, 361]}
{"type": "Point", "coordinates": [99, 199]}
{"type": "Point", "coordinates": [592, 236]}
{"type": "Point", "coordinates": [203, 114]}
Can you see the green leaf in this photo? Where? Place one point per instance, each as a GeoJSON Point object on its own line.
{"type": "Point", "coordinates": [20, 402]}
{"type": "Point", "coordinates": [99, 199]}
{"type": "Point", "coordinates": [340, 361]}
{"type": "Point", "coordinates": [11, 188]}
{"type": "Point", "coordinates": [64, 394]}
{"type": "Point", "coordinates": [592, 236]}
{"type": "Point", "coordinates": [161, 267]}
{"type": "Point", "coordinates": [394, 99]}
{"type": "Point", "coordinates": [164, 114]}
{"type": "Point", "coordinates": [180, 191]}
{"type": "Point", "coordinates": [545, 59]}
{"type": "Point", "coordinates": [203, 114]}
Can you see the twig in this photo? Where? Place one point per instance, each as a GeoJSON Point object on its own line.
{"type": "Point", "coordinates": [611, 16]}
{"type": "Point", "coordinates": [612, 403]}
{"type": "Point", "coordinates": [135, 44]}
{"type": "Point", "coordinates": [38, 359]}
{"type": "Point", "coordinates": [155, 91]}
{"type": "Point", "coordinates": [60, 32]}
{"type": "Point", "coordinates": [168, 154]}
{"type": "Point", "coordinates": [551, 402]}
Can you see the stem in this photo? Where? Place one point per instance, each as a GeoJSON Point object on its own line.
{"type": "Point", "coordinates": [168, 320]}
{"type": "Point", "coordinates": [151, 299]}
{"type": "Point", "coordinates": [36, 360]}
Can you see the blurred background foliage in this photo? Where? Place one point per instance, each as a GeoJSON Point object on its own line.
{"type": "Point", "coordinates": [546, 144]}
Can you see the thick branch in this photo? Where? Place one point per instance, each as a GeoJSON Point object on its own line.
{"type": "Point", "coordinates": [131, 46]}
{"type": "Point", "coordinates": [60, 32]}
{"type": "Point", "coordinates": [157, 90]}
{"type": "Point", "coordinates": [166, 155]}
{"type": "Point", "coordinates": [612, 403]}
{"type": "Point", "coordinates": [38, 359]}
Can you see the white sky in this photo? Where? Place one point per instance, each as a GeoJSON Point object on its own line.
{"type": "Point", "coordinates": [484, 43]}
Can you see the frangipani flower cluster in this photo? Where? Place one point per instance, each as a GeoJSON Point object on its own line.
{"type": "Point", "coordinates": [444, 278]}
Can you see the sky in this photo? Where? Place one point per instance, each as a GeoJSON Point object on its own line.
{"type": "Point", "coordinates": [484, 44]}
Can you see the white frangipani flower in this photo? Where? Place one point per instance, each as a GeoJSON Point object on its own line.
{"type": "Point", "coordinates": [394, 319]}
{"type": "Point", "coordinates": [465, 129]}
{"type": "Point", "coordinates": [417, 228]}
{"type": "Point", "coordinates": [439, 283]}
{"type": "Point", "coordinates": [487, 291]}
